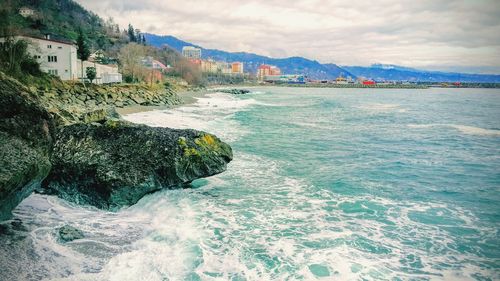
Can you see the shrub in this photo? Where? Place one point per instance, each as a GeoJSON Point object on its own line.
{"type": "Point", "coordinates": [91, 73]}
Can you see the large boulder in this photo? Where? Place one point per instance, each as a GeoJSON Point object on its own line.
{"type": "Point", "coordinates": [25, 143]}
{"type": "Point", "coordinates": [116, 163]}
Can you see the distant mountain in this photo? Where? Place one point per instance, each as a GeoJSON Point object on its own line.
{"type": "Point", "coordinates": [316, 70]}
{"type": "Point", "coordinates": [383, 72]}
{"type": "Point", "coordinates": [292, 65]}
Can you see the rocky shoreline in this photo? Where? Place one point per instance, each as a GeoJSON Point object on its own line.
{"type": "Point", "coordinates": [68, 140]}
{"type": "Point", "coordinates": [74, 103]}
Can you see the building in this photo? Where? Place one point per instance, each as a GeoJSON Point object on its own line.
{"type": "Point", "coordinates": [55, 57]}
{"type": "Point", "coordinates": [151, 63]}
{"type": "Point", "coordinates": [267, 70]}
{"type": "Point", "coordinates": [105, 74]}
{"type": "Point", "coordinates": [275, 70]}
{"type": "Point", "coordinates": [263, 71]}
{"type": "Point", "coordinates": [191, 52]}
{"type": "Point", "coordinates": [156, 69]}
{"type": "Point", "coordinates": [209, 66]}
{"type": "Point", "coordinates": [196, 62]}
{"type": "Point", "coordinates": [237, 67]}
{"type": "Point", "coordinates": [368, 82]}
{"type": "Point", "coordinates": [341, 80]}
{"type": "Point", "coordinates": [224, 67]}
{"type": "Point", "coordinates": [26, 12]}
{"type": "Point", "coordinates": [59, 58]}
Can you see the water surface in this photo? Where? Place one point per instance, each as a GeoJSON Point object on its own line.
{"type": "Point", "coordinates": [328, 184]}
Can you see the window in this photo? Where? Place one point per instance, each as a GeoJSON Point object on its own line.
{"type": "Point", "coordinates": [52, 58]}
{"type": "Point", "coordinates": [37, 57]}
{"type": "Point", "coordinates": [49, 46]}
{"type": "Point", "coordinates": [59, 47]}
{"type": "Point", "coordinates": [53, 71]}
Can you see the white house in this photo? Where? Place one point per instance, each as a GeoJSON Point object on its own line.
{"type": "Point", "coordinates": [60, 58]}
{"type": "Point", "coordinates": [55, 57]}
{"type": "Point", "coordinates": [26, 12]}
{"type": "Point", "coordinates": [104, 73]}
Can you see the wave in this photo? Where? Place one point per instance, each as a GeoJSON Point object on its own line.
{"type": "Point", "coordinates": [382, 107]}
{"type": "Point", "coordinates": [476, 130]}
{"type": "Point", "coordinates": [469, 130]}
{"type": "Point", "coordinates": [211, 113]}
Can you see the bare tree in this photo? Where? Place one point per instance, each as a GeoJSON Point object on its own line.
{"type": "Point", "coordinates": [130, 57]}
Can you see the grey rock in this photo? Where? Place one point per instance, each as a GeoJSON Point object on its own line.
{"type": "Point", "coordinates": [117, 163]}
{"type": "Point", "coordinates": [26, 137]}
{"type": "Point", "coordinates": [68, 233]}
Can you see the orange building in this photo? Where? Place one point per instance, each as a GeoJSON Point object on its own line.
{"type": "Point", "coordinates": [267, 70]}
{"type": "Point", "coordinates": [237, 67]}
{"type": "Point", "coordinates": [275, 70]}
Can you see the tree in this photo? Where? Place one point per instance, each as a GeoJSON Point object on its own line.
{"type": "Point", "coordinates": [91, 73]}
{"type": "Point", "coordinates": [16, 61]}
{"type": "Point", "coordinates": [138, 36]}
{"type": "Point", "coordinates": [130, 60]}
{"type": "Point", "coordinates": [131, 33]}
{"type": "Point", "coordinates": [83, 51]}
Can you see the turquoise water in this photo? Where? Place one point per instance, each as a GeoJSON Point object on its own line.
{"type": "Point", "coordinates": [327, 184]}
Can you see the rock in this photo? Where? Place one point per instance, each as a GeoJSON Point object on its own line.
{"type": "Point", "coordinates": [100, 115]}
{"type": "Point", "coordinates": [90, 103]}
{"type": "Point", "coordinates": [117, 163]}
{"type": "Point", "coordinates": [68, 233]}
{"type": "Point", "coordinates": [138, 99]}
{"type": "Point", "coordinates": [81, 97]}
{"type": "Point", "coordinates": [26, 137]}
{"type": "Point", "coordinates": [235, 91]}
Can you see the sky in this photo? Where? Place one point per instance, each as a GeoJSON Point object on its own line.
{"type": "Point", "coordinates": [456, 35]}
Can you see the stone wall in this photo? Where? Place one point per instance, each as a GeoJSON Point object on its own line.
{"type": "Point", "coordinates": [71, 103]}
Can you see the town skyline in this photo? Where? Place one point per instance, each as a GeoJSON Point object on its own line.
{"type": "Point", "coordinates": [435, 35]}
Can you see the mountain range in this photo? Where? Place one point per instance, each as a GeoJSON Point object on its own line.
{"type": "Point", "coordinates": [292, 65]}
{"type": "Point", "coordinates": [316, 70]}
{"type": "Point", "coordinates": [384, 72]}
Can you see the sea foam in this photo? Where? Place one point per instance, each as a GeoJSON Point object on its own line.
{"type": "Point", "coordinates": [469, 130]}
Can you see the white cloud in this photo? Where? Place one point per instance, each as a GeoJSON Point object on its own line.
{"type": "Point", "coordinates": [423, 33]}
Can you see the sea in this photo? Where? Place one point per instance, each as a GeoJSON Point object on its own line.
{"type": "Point", "coordinates": [326, 184]}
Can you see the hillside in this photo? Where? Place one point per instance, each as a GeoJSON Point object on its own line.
{"type": "Point", "coordinates": [381, 72]}
{"type": "Point", "coordinates": [62, 19]}
{"type": "Point", "coordinates": [292, 65]}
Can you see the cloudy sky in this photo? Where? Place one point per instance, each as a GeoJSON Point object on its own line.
{"type": "Point", "coordinates": [461, 35]}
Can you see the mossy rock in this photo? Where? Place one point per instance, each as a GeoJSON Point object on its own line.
{"type": "Point", "coordinates": [69, 233]}
{"type": "Point", "coordinates": [117, 163]}
{"type": "Point", "coordinates": [26, 138]}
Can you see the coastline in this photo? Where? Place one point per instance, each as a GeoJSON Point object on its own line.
{"type": "Point", "coordinates": [187, 98]}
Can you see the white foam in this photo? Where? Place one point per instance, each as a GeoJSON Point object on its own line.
{"type": "Point", "coordinates": [212, 113]}
{"type": "Point", "coordinates": [214, 106]}
{"type": "Point", "coordinates": [469, 130]}
{"type": "Point", "coordinates": [381, 107]}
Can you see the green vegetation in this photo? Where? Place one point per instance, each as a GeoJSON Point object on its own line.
{"type": "Point", "coordinates": [91, 73]}
{"type": "Point", "coordinates": [67, 20]}
{"type": "Point", "coordinates": [83, 51]}
{"type": "Point", "coordinates": [15, 59]}
{"type": "Point", "coordinates": [16, 62]}
{"type": "Point", "coordinates": [64, 19]}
